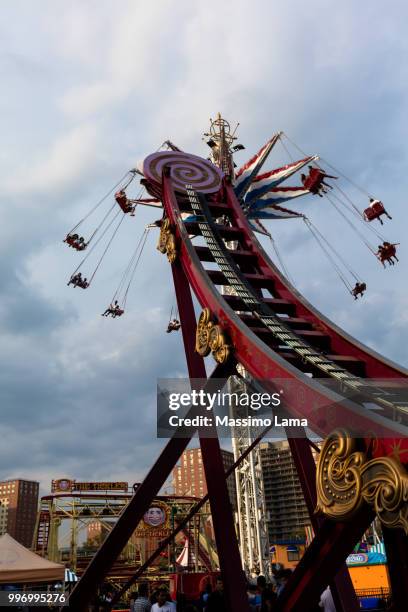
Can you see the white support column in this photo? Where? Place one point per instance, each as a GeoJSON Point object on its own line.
{"type": "Point", "coordinates": [253, 530]}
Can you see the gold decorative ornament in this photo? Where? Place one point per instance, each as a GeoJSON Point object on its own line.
{"type": "Point", "coordinates": [167, 241]}
{"type": "Point", "coordinates": [346, 480]}
{"type": "Point", "coordinates": [210, 338]}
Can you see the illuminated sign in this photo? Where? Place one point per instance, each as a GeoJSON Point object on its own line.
{"type": "Point", "coordinates": [370, 558]}
{"type": "Point", "coordinates": [65, 485]}
{"type": "Point", "coordinates": [357, 558]}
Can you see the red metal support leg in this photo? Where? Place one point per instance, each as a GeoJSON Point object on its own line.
{"type": "Point", "coordinates": [225, 536]}
{"type": "Point", "coordinates": [342, 588]}
{"type": "Point", "coordinates": [396, 546]}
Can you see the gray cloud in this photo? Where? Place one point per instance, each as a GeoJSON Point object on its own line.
{"type": "Point", "coordinates": [92, 88]}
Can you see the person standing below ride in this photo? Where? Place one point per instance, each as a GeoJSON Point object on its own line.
{"type": "Point", "coordinates": [326, 601]}
{"type": "Point", "coordinates": [216, 601]}
{"type": "Point", "coordinates": [283, 577]}
{"type": "Point", "coordinates": [204, 595]}
{"type": "Point", "coordinates": [163, 602]}
{"type": "Point", "coordinates": [254, 598]}
{"type": "Point", "coordinates": [106, 601]}
{"type": "Point", "coordinates": [268, 597]}
{"type": "Point", "coordinates": [142, 603]}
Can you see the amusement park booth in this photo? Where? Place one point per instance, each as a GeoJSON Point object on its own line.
{"type": "Point", "coordinates": [369, 573]}
{"type": "Point", "coordinates": [287, 553]}
{"type": "Point", "coordinates": [18, 565]}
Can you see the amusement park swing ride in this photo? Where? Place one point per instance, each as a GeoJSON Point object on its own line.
{"type": "Point", "coordinates": [261, 196]}
{"type": "Point", "coordinates": [258, 327]}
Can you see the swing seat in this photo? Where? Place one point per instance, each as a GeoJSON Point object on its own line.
{"type": "Point", "coordinates": [313, 180]}
{"type": "Point", "coordinates": [70, 239]}
{"type": "Point", "coordinates": [121, 198]}
{"type": "Point", "coordinates": [374, 212]}
{"type": "Point", "coordinates": [73, 241]}
{"type": "Point", "coordinates": [80, 247]}
{"type": "Point", "coordinates": [389, 251]}
{"type": "Point", "coordinates": [359, 289]}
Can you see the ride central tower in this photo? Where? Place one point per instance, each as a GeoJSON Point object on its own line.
{"type": "Point", "coordinates": [251, 510]}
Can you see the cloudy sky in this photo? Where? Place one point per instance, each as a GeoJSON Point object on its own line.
{"type": "Point", "coordinates": [89, 88]}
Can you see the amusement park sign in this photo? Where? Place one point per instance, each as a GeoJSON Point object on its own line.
{"type": "Point", "coordinates": [156, 521]}
{"type": "Point", "coordinates": [65, 485]}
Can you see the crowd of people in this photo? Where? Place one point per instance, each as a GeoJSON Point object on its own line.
{"type": "Point", "coordinates": [262, 597]}
{"type": "Point", "coordinates": [158, 601]}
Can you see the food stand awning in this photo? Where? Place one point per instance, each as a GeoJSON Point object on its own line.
{"type": "Point", "coordinates": [20, 565]}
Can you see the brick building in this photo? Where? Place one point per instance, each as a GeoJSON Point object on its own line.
{"type": "Point", "coordinates": [189, 477]}
{"type": "Point", "coordinates": [19, 500]}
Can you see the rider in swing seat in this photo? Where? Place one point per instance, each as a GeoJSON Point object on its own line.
{"type": "Point", "coordinates": [174, 325]}
{"type": "Point", "coordinates": [78, 281]}
{"type": "Point", "coordinates": [124, 203]}
{"type": "Point", "coordinates": [358, 289]}
{"type": "Point", "coordinates": [375, 210]}
{"type": "Point", "coordinates": [387, 252]}
{"type": "Point", "coordinates": [314, 181]}
{"type": "Point", "coordinates": [113, 310]}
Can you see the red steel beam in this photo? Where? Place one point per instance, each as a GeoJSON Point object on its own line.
{"type": "Point", "coordinates": [342, 588]}
{"type": "Point", "coordinates": [396, 547]}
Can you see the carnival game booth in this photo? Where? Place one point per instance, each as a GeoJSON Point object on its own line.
{"type": "Point", "coordinates": [18, 565]}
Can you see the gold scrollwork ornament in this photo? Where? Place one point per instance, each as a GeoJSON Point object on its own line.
{"type": "Point", "coordinates": [210, 338]}
{"type": "Point", "coordinates": [171, 249]}
{"type": "Point", "coordinates": [346, 480]}
{"type": "Point", "coordinates": [204, 326]}
{"type": "Point", "coordinates": [167, 241]}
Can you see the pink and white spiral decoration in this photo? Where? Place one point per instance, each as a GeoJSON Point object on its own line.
{"type": "Point", "coordinates": [185, 169]}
